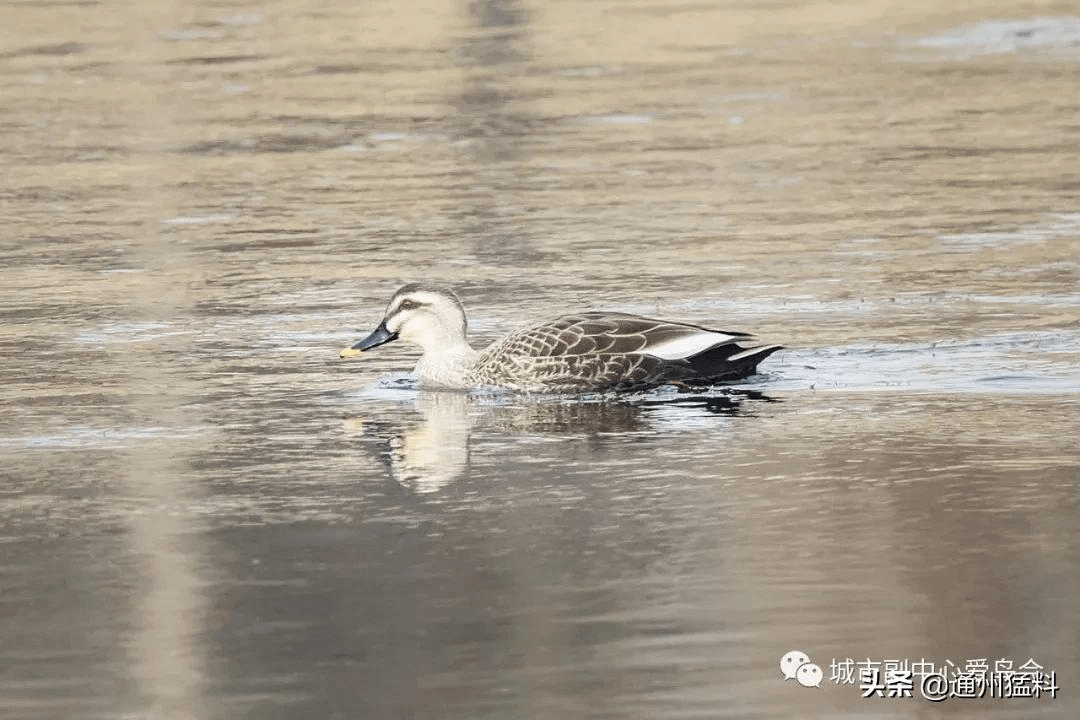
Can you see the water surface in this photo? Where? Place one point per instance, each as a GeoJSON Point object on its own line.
{"type": "Point", "coordinates": [205, 514]}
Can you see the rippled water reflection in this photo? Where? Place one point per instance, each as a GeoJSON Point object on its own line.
{"type": "Point", "coordinates": [206, 514]}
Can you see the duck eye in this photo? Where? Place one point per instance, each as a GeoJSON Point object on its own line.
{"type": "Point", "coordinates": [408, 305]}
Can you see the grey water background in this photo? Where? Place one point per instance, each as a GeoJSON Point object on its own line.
{"type": "Point", "coordinates": [205, 514]}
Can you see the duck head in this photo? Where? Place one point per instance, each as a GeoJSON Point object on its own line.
{"type": "Point", "coordinates": [429, 316]}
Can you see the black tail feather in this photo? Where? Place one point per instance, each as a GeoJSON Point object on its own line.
{"type": "Point", "coordinates": [727, 362]}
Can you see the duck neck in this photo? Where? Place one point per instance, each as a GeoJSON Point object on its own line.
{"type": "Point", "coordinates": [446, 364]}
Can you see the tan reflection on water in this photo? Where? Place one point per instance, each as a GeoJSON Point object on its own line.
{"type": "Point", "coordinates": [208, 515]}
{"type": "Point", "coordinates": [168, 657]}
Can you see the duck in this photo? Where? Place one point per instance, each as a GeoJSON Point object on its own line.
{"type": "Point", "coordinates": [585, 352]}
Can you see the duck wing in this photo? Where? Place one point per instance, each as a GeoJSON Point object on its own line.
{"type": "Point", "coordinates": [598, 351]}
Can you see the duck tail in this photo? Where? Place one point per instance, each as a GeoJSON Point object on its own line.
{"type": "Point", "coordinates": [728, 362]}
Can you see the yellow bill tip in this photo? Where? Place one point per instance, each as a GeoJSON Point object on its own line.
{"type": "Point", "coordinates": [349, 352]}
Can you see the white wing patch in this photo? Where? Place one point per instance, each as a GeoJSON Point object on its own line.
{"type": "Point", "coordinates": [687, 345]}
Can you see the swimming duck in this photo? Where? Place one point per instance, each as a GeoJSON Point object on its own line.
{"type": "Point", "coordinates": [578, 353]}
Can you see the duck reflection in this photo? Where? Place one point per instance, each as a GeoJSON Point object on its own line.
{"type": "Point", "coordinates": [431, 453]}
{"type": "Point", "coordinates": [429, 449]}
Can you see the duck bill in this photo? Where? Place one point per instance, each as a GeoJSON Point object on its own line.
{"type": "Point", "coordinates": [381, 336]}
